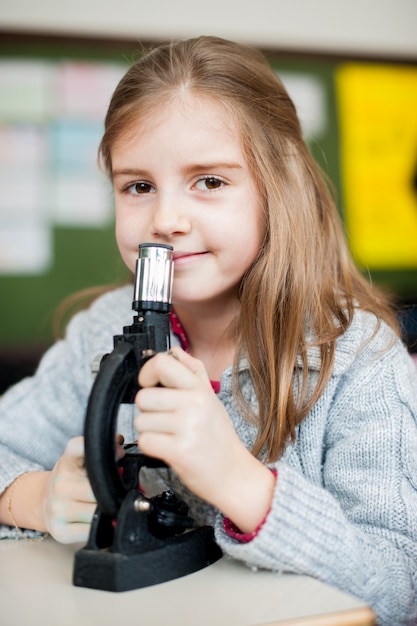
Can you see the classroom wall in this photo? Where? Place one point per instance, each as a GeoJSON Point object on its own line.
{"type": "Point", "coordinates": [376, 27]}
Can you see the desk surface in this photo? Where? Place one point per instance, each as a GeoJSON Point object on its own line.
{"type": "Point", "coordinates": [36, 590]}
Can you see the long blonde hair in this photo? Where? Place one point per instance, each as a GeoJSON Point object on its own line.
{"type": "Point", "coordinates": [303, 280]}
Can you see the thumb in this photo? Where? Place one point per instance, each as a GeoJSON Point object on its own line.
{"type": "Point", "coordinates": [194, 365]}
{"type": "Point", "coordinates": [73, 457]}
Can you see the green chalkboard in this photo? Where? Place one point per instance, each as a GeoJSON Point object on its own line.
{"type": "Point", "coordinates": [85, 255]}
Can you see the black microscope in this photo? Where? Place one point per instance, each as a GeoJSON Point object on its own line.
{"type": "Point", "coordinates": [135, 541]}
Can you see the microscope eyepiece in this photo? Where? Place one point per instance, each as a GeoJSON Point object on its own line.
{"type": "Point", "coordinates": [154, 278]}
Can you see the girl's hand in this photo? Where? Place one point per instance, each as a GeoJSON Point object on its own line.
{"type": "Point", "coordinates": [184, 423]}
{"type": "Point", "coordinates": [69, 502]}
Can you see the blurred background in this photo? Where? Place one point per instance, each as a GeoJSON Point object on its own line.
{"type": "Point", "coordinates": [351, 69]}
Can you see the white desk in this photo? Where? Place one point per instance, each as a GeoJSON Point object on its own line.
{"type": "Point", "coordinates": [36, 590]}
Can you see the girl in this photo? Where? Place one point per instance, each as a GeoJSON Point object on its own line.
{"type": "Point", "coordinates": [288, 415]}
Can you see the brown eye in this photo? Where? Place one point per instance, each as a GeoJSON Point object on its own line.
{"type": "Point", "coordinates": [142, 187]}
{"type": "Point", "coordinates": [213, 183]}
{"type": "Point", "coordinates": [209, 183]}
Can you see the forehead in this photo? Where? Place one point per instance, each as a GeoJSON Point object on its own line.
{"type": "Point", "coordinates": [183, 112]}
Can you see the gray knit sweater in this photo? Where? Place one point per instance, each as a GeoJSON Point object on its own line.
{"type": "Point", "coordinates": [345, 504]}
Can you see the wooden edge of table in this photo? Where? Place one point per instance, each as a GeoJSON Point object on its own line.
{"type": "Point", "coordinates": [352, 617]}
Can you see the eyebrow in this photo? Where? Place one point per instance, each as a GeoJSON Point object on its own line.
{"type": "Point", "coordinates": [128, 172]}
{"type": "Point", "coordinates": [195, 167]}
{"type": "Point", "coordinates": [201, 167]}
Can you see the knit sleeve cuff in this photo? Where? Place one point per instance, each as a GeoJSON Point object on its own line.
{"type": "Point", "coordinates": [235, 533]}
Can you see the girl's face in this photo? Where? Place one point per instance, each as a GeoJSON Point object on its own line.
{"type": "Point", "coordinates": [180, 178]}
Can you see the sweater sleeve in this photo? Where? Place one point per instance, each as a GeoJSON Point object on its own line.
{"type": "Point", "coordinates": [41, 413]}
{"type": "Point", "coordinates": [354, 527]}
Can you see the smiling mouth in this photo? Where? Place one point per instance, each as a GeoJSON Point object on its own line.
{"type": "Point", "coordinates": [179, 256]}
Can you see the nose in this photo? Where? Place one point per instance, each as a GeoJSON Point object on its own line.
{"type": "Point", "coordinates": [170, 217]}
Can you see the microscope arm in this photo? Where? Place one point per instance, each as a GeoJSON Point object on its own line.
{"type": "Point", "coordinates": [116, 372]}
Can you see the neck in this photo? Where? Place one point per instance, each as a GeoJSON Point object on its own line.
{"type": "Point", "coordinates": [210, 335]}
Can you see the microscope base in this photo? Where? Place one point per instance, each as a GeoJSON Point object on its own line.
{"type": "Point", "coordinates": [179, 556]}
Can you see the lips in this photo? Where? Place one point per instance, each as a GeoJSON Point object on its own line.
{"type": "Point", "coordinates": [182, 256]}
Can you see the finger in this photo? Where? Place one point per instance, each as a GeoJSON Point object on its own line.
{"type": "Point", "coordinates": [71, 487]}
{"type": "Point", "coordinates": [69, 512]}
{"type": "Point", "coordinates": [120, 451]}
{"type": "Point", "coordinates": [158, 399]}
{"type": "Point", "coordinates": [74, 454]}
{"type": "Point", "coordinates": [194, 365]}
{"type": "Point", "coordinates": [70, 533]}
{"type": "Point", "coordinates": [157, 445]}
{"type": "Point", "coordinates": [156, 422]}
{"type": "Point", "coordinates": [167, 371]}
{"type": "Point", "coordinates": [82, 512]}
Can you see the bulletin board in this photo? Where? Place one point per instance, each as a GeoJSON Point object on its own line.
{"type": "Point", "coordinates": [359, 119]}
{"type": "Point", "coordinates": [56, 208]}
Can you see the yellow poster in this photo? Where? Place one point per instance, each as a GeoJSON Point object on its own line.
{"type": "Point", "coordinates": [378, 137]}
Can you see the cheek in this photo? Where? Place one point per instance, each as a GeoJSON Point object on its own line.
{"type": "Point", "coordinates": [127, 247]}
{"type": "Point", "coordinates": [120, 237]}
{"type": "Point", "coordinates": [252, 236]}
